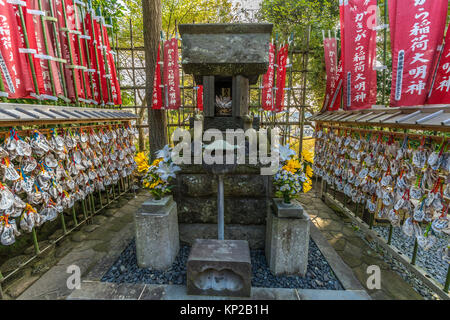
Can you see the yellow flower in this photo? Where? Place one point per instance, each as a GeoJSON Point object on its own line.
{"type": "Point", "coordinates": [308, 156]}
{"type": "Point", "coordinates": [156, 162]}
{"type": "Point", "coordinates": [309, 171]}
{"type": "Point", "coordinates": [306, 187]}
{"type": "Point", "coordinates": [292, 166]}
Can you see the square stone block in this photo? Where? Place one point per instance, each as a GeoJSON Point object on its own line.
{"type": "Point", "coordinates": [292, 210]}
{"type": "Point", "coordinates": [287, 244]}
{"type": "Point", "coordinates": [219, 268]}
{"type": "Point", "coordinates": [157, 237]}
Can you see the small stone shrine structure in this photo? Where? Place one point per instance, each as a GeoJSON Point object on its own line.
{"type": "Point", "coordinates": [225, 59]}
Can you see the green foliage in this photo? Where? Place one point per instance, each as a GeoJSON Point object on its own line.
{"type": "Point", "coordinates": [294, 16]}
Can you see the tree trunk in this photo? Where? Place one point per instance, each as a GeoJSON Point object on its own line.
{"type": "Point", "coordinates": [151, 15]}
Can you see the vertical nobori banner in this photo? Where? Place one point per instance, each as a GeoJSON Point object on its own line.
{"type": "Point", "coordinates": [93, 53]}
{"type": "Point", "coordinates": [440, 92]}
{"type": "Point", "coordinates": [335, 101]}
{"type": "Point", "coordinates": [281, 77]}
{"type": "Point", "coordinates": [115, 88]}
{"type": "Point", "coordinates": [14, 68]}
{"type": "Point", "coordinates": [171, 75]}
{"type": "Point", "coordinates": [330, 52]}
{"type": "Point", "coordinates": [66, 27]}
{"type": "Point", "coordinates": [45, 55]}
{"type": "Point", "coordinates": [414, 51]}
{"type": "Point", "coordinates": [200, 97]}
{"type": "Point", "coordinates": [157, 91]}
{"type": "Point", "coordinates": [359, 50]}
{"type": "Point", "coordinates": [268, 81]}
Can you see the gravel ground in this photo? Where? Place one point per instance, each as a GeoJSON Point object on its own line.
{"type": "Point", "coordinates": [430, 260]}
{"type": "Point", "coordinates": [319, 274]}
{"type": "Point", "coordinates": [398, 266]}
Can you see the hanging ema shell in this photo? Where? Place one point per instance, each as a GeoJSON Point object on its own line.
{"type": "Point", "coordinates": [415, 193]}
{"type": "Point", "coordinates": [11, 173]}
{"type": "Point", "coordinates": [426, 242]}
{"type": "Point", "coordinates": [433, 158]}
{"type": "Point", "coordinates": [29, 164]}
{"type": "Point", "coordinates": [394, 218]}
{"type": "Point", "coordinates": [399, 204]}
{"type": "Point", "coordinates": [419, 158]}
{"type": "Point", "coordinates": [440, 224]}
{"type": "Point", "coordinates": [50, 160]}
{"type": "Point", "coordinates": [419, 213]}
{"type": "Point", "coordinates": [446, 254]}
{"type": "Point", "coordinates": [387, 180]}
{"type": "Point", "coordinates": [7, 237]}
{"type": "Point", "coordinates": [23, 148]}
{"type": "Point", "coordinates": [27, 221]}
{"type": "Point", "coordinates": [408, 228]}
{"type": "Point", "coordinates": [388, 198]}
{"type": "Point", "coordinates": [7, 199]}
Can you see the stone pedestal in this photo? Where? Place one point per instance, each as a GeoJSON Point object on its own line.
{"type": "Point", "coordinates": [157, 238]}
{"type": "Point", "coordinates": [219, 268]}
{"type": "Point", "coordinates": [287, 244]}
{"type": "Point", "coordinates": [291, 210]}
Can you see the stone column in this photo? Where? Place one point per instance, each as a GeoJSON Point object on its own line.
{"type": "Point", "coordinates": [157, 238]}
{"type": "Point", "coordinates": [287, 239]}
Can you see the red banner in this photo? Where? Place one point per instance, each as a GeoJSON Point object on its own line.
{"type": "Point", "coordinates": [281, 77]}
{"type": "Point", "coordinates": [336, 92]}
{"type": "Point", "coordinates": [157, 91]}
{"type": "Point", "coordinates": [15, 71]}
{"type": "Point", "coordinates": [171, 75]}
{"type": "Point", "coordinates": [101, 61]}
{"type": "Point", "coordinates": [359, 50]}
{"type": "Point", "coordinates": [72, 75]}
{"type": "Point", "coordinates": [440, 93]}
{"type": "Point", "coordinates": [115, 88]}
{"type": "Point", "coordinates": [45, 51]}
{"type": "Point", "coordinates": [330, 52]}
{"type": "Point", "coordinates": [200, 98]}
{"type": "Point", "coordinates": [414, 51]}
{"type": "Point", "coordinates": [268, 81]}
{"type": "Point", "coordinates": [93, 53]}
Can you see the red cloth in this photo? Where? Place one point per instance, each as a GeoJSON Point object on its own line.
{"type": "Point", "coordinates": [359, 53]}
{"type": "Point", "coordinates": [440, 93]}
{"type": "Point", "coordinates": [414, 51]}
{"type": "Point", "coordinates": [114, 80]}
{"type": "Point", "coordinates": [268, 81]}
{"type": "Point", "coordinates": [336, 93]}
{"type": "Point", "coordinates": [200, 98]}
{"type": "Point", "coordinates": [33, 21]}
{"type": "Point", "coordinates": [68, 43]}
{"type": "Point", "coordinates": [157, 91]}
{"type": "Point", "coordinates": [171, 74]}
{"type": "Point", "coordinates": [281, 77]}
{"type": "Point", "coordinates": [14, 68]}
{"type": "Point", "coordinates": [330, 54]}
{"type": "Point", "coordinates": [93, 59]}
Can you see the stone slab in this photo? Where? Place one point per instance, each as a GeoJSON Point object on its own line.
{"type": "Point", "coordinates": [287, 244]}
{"type": "Point", "coordinates": [157, 239]}
{"type": "Point", "coordinates": [225, 49]}
{"type": "Point", "coordinates": [293, 210]}
{"type": "Point", "coordinates": [219, 267]}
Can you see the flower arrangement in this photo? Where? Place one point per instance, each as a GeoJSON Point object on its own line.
{"type": "Point", "coordinates": [157, 176]}
{"type": "Point", "coordinates": [293, 175]}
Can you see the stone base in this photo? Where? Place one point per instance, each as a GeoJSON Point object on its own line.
{"type": "Point", "coordinates": [287, 244]}
{"type": "Point", "coordinates": [157, 238]}
{"type": "Point", "coordinates": [254, 234]}
{"type": "Point", "coordinates": [219, 268]}
{"type": "Point", "coordinates": [292, 210]}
